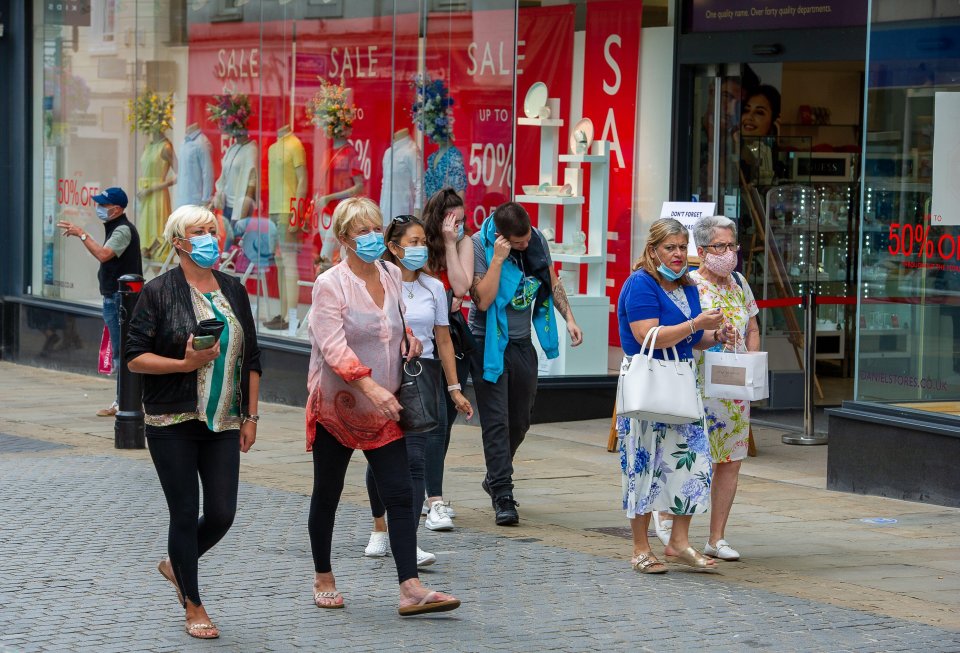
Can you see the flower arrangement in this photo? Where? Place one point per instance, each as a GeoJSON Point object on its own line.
{"type": "Point", "coordinates": [330, 109]}
{"type": "Point", "coordinates": [151, 113]}
{"type": "Point", "coordinates": [230, 111]}
{"type": "Point", "coordinates": [431, 111]}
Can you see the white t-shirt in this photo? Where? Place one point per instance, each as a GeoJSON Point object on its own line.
{"type": "Point", "coordinates": [425, 309]}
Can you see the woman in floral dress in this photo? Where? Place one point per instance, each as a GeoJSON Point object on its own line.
{"type": "Point", "coordinates": [728, 420]}
{"type": "Point", "coordinates": [666, 467]}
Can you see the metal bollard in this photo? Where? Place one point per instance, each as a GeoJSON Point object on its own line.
{"type": "Point", "coordinates": [809, 435]}
{"type": "Point", "coordinates": [128, 428]}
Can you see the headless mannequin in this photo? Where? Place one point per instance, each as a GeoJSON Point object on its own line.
{"type": "Point", "coordinates": [335, 195]}
{"type": "Point", "coordinates": [287, 228]}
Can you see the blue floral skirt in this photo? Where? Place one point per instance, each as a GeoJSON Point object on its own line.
{"type": "Point", "coordinates": [665, 467]}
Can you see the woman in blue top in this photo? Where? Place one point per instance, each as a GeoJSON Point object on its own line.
{"type": "Point", "coordinates": [665, 467]}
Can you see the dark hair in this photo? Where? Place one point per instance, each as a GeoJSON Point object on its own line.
{"type": "Point", "coordinates": [396, 230]}
{"type": "Point", "coordinates": [436, 209]}
{"type": "Point", "coordinates": [772, 96]}
{"type": "Point", "coordinates": [511, 220]}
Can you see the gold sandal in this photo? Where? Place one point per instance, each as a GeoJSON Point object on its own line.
{"type": "Point", "coordinates": [646, 563]}
{"type": "Point", "coordinates": [173, 580]}
{"type": "Point", "coordinates": [203, 631]}
{"type": "Point", "coordinates": [691, 558]}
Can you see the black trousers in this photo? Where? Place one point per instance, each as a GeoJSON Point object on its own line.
{"type": "Point", "coordinates": [392, 474]}
{"type": "Point", "coordinates": [416, 444]}
{"type": "Point", "coordinates": [182, 453]}
{"type": "Point", "coordinates": [505, 408]}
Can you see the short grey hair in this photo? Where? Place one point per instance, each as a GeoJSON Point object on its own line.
{"type": "Point", "coordinates": [184, 217]}
{"type": "Point", "coordinates": [705, 226]}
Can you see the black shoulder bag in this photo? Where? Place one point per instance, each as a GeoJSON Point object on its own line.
{"type": "Point", "coordinates": [419, 394]}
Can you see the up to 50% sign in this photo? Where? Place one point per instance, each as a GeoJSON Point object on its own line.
{"type": "Point", "coordinates": [916, 240]}
{"type": "Point", "coordinates": [489, 162]}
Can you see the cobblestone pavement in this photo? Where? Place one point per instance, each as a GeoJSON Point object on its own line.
{"type": "Point", "coordinates": [81, 535]}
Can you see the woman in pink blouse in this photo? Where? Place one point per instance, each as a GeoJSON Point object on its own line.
{"type": "Point", "coordinates": [355, 361]}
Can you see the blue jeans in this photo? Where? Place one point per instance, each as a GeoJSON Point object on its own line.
{"type": "Point", "coordinates": [111, 317]}
{"type": "Point", "coordinates": [438, 440]}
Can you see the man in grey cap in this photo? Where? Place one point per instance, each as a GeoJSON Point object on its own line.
{"type": "Point", "coordinates": [119, 255]}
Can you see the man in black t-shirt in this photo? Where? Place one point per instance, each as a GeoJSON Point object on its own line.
{"type": "Point", "coordinates": [119, 255]}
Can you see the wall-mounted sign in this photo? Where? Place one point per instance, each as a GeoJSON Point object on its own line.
{"type": "Point", "coordinates": [732, 15]}
{"type": "Point", "coordinates": [67, 12]}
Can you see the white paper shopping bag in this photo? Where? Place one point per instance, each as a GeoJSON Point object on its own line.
{"type": "Point", "coordinates": [735, 375]}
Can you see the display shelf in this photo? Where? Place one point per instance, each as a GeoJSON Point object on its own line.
{"type": "Point", "coordinates": [556, 200]}
{"type": "Point", "coordinates": [540, 122]}
{"type": "Point", "coordinates": [564, 214]}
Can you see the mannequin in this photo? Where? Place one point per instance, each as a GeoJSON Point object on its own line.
{"type": "Point", "coordinates": [195, 182]}
{"type": "Point", "coordinates": [236, 189]}
{"type": "Point", "coordinates": [342, 177]}
{"type": "Point", "coordinates": [445, 168]}
{"type": "Point", "coordinates": [400, 190]}
{"type": "Point", "coordinates": [157, 162]}
{"type": "Point", "coordinates": [287, 177]}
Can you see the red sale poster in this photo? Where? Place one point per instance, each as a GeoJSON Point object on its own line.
{"type": "Point", "coordinates": [612, 58]}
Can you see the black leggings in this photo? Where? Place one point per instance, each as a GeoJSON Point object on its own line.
{"type": "Point", "coordinates": [180, 454]}
{"type": "Point", "coordinates": [392, 473]}
{"type": "Point", "coordinates": [416, 444]}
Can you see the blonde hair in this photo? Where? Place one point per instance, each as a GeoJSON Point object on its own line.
{"type": "Point", "coordinates": [184, 217]}
{"type": "Point", "coordinates": [659, 231]}
{"type": "Point", "coordinates": [355, 210]}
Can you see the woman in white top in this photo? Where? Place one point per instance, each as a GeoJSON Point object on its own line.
{"type": "Point", "coordinates": [426, 315]}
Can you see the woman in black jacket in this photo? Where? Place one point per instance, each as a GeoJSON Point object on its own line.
{"type": "Point", "coordinates": [200, 399]}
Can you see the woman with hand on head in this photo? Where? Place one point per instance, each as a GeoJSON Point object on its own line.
{"type": "Point", "coordinates": [665, 467]}
{"type": "Point", "coordinates": [449, 259]}
{"type": "Point", "coordinates": [426, 315]}
{"type": "Point", "coordinates": [356, 334]}
{"type": "Point", "coordinates": [199, 397]}
{"type": "Point", "coordinates": [728, 420]}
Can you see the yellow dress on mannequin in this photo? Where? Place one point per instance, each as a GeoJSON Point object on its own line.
{"type": "Point", "coordinates": [154, 208]}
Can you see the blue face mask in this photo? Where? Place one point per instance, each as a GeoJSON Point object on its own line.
{"type": "Point", "coordinates": [370, 246]}
{"type": "Point", "coordinates": [460, 232]}
{"type": "Point", "coordinates": [102, 212]}
{"type": "Point", "coordinates": [414, 258]}
{"type": "Point", "coordinates": [206, 250]}
{"type": "Point", "coordinates": [670, 274]}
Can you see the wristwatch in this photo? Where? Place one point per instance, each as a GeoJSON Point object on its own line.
{"type": "Point", "coordinates": [251, 418]}
{"type": "Point", "coordinates": [83, 238]}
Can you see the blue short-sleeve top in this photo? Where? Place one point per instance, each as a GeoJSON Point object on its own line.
{"type": "Point", "coordinates": [642, 298]}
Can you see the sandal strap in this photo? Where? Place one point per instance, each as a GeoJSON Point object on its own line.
{"type": "Point", "coordinates": [201, 627]}
{"type": "Point", "coordinates": [645, 560]}
{"type": "Point", "coordinates": [325, 595]}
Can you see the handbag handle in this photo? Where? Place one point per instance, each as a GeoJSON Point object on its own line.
{"type": "Point", "coordinates": [651, 337]}
{"type": "Point", "coordinates": [403, 322]}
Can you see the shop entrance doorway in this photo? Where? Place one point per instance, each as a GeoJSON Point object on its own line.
{"type": "Point", "coordinates": [777, 147]}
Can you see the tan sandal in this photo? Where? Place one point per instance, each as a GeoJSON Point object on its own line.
{"type": "Point", "coordinates": [203, 631]}
{"type": "Point", "coordinates": [173, 580]}
{"type": "Point", "coordinates": [334, 595]}
{"type": "Point", "coordinates": [692, 558]}
{"type": "Point", "coordinates": [647, 563]}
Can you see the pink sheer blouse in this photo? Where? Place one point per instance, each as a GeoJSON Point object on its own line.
{"type": "Point", "coordinates": [350, 338]}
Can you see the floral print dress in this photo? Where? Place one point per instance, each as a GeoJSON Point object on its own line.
{"type": "Point", "coordinates": [664, 467]}
{"type": "Point", "coordinates": [728, 420]}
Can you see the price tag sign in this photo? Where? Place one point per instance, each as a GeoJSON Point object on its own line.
{"type": "Point", "coordinates": [945, 204]}
{"type": "Point", "coordinates": [688, 213]}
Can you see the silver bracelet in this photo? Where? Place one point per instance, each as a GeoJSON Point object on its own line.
{"type": "Point", "coordinates": [455, 386]}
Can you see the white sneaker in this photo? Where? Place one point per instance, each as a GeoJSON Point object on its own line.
{"type": "Point", "coordinates": [723, 551]}
{"type": "Point", "coordinates": [450, 513]}
{"type": "Point", "coordinates": [426, 509]}
{"type": "Point", "coordinates": [425, 558]}
{"type": "Point", "coordinates": [662, 528]}
{"type": "Point", "coordinates": [378, 545]}
{"type": "Point", "coordinates": [437, 518]}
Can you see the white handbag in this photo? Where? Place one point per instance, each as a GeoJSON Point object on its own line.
{"type": "Point", "coordinates": [658, 390]}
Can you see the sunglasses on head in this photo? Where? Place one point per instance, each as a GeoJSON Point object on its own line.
{"type": "Point", "coordinates": [403, 219]}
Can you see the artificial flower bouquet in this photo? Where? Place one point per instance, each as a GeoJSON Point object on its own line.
{"type": "Point", "coordinates": [331, 109]}
{"type": "Point", "coordinates": [151, 113]}
{"type": "Point", "coordinates": [432, 109]}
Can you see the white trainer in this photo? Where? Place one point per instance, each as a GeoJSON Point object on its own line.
{"type": "Point", "coordinates": [437, 518]}
{"type": "Point", "coordinates": [663, 528]}
{"type": "Point", "coordinates": [450, 513]}
{"type": "Point", "coordinates": [425, 558]}
{"type": "Point", "coordinates": [378, 545]}
{"type": "Point", "coordinates": [723, 551]}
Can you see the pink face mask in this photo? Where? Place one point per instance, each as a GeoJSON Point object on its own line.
{"type": "Point", "coordinates": [721, 264]}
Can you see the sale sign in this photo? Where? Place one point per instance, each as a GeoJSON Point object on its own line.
{"type": "Point", "coordinates": [612, 57]}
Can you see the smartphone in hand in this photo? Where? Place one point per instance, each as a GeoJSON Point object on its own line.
{"type": "Point", "coordinates": [204, 342]}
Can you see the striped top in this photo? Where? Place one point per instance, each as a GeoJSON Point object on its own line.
{"type": "Point", "coordinates": [218, 382]}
